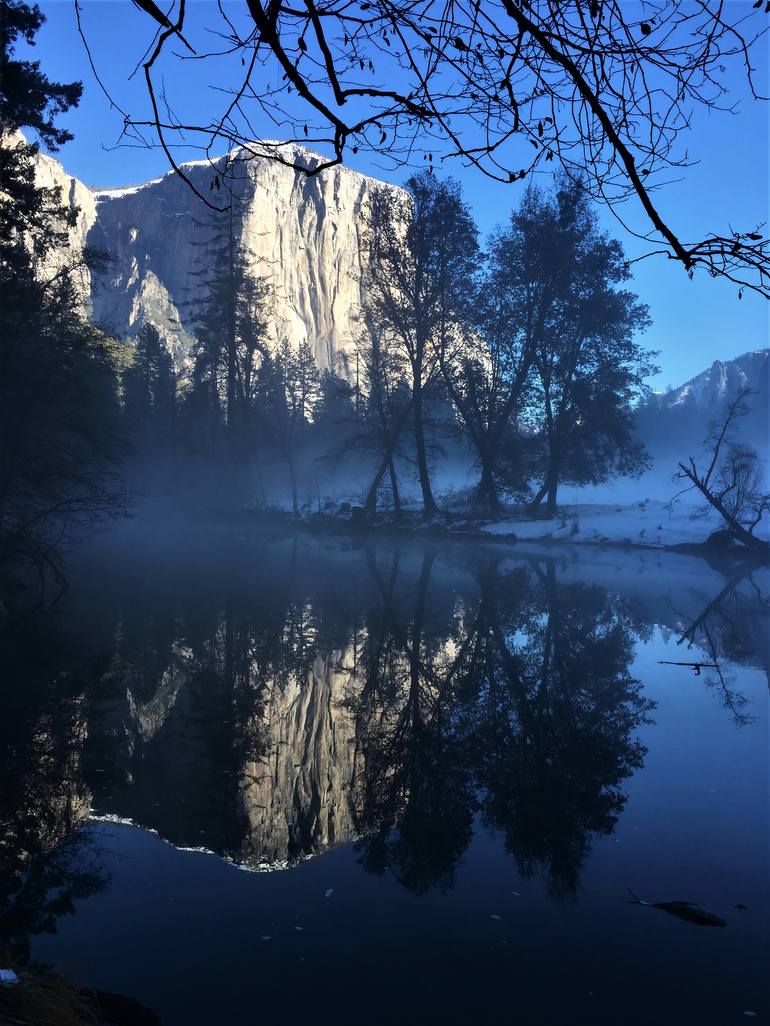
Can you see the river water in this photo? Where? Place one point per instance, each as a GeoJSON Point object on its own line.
{"type": "Point", "coordinates": [246, 776]}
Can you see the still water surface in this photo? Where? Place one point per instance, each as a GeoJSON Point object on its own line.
{"type": "Point", "coordinates": [247, 777]}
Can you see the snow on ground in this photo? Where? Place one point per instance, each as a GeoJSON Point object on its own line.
{"type": "Point", "coordinates": [650, 523]}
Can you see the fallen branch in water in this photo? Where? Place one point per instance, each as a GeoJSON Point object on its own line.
{"type": "Point", "coordinates": [682, 910]}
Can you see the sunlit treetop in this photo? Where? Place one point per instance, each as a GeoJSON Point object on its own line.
{"type": "Point", "coordinates": [27, 98]}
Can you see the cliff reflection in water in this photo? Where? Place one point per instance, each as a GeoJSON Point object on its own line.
{"type": "Point", "coordinates": [290, 696]}
{"type": "Point", "coordinates": [276, 727]}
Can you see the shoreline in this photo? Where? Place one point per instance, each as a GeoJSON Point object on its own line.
{"type": "Point", "coordinates": [556, 533]}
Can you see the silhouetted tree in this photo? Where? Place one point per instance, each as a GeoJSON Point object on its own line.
{"type": "Point", "coordinates": [60, 435]}
{"type": "Point", "coordinates": [588, 365]}
{"type": "Point", "coordinates": [488, 374]}
{"type": "Point", "coordinates": [733, 483]}
{"type": "Point", "coordinates": [231, 327]}
{"type": "Point", "coordinates": [251, 336]}
{"type": "Point", "coordinates": [387, 405]}
{"type": "Point", "coordinates": [291, 389]}
{"type": "Point", "coordinates": [421, 257]}
{"type": "Point", "coordinates": [334, 415]}
{"type": "Point", "coordinates": [149, 395]}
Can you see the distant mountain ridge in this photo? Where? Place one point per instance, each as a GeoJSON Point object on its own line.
{"type": "Point", "coordinates": [674, 424]}
{"type": "Point", "coordinates": [723, 379]}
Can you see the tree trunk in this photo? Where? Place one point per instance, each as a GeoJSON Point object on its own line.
{"type": "Point", "coordinates": [394, 486]}
{"type": "Point", "coordinates": [371, 496]}
{"type": "Point", "coordinates": [553, 485]}
{"type": "Point", "coordinates": [429, 508]}
{"type": "Point", "coordinates": [549, 488]}
{"type": "Point", "coordinates": [535, 503]}
{"type": "Point", "coordinates": [370, 505]}
{"type": "Point", "coordinates": [740, 533]}
{"type": "Point", "coordinates": [486, 490]}
{"type": "Point", "coordinates": [293, 475]}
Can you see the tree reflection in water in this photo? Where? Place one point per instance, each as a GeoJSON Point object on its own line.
{"type": "Point", "coordinates": [46, 861]}
{"type": "Point", "coordinates": [303, 695]}
{"type": "Point", "coordinates": [733, 624]}
{"type": "Point", "coordinates": [521, 708]}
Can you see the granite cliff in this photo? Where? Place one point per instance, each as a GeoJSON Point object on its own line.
{"type": "Point", "coordinates": [302, 234]}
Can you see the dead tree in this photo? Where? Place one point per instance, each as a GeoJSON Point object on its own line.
{"type": "Point", "coordinates": [733, 482]}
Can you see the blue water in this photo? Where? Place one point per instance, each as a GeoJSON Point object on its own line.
{"type": "Point", "coordinates": [483, 862]}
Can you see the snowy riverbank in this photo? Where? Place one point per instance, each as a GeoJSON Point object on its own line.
{"type": "Point", "coordinates": [648, 524]}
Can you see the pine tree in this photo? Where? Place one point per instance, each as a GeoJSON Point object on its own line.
{"type": "Point", "coordinates": [149, 395]}
{"type": "Point", "coordinates": [292, 386]}
{"type": "Point", "coordinates": [231, 328]}
{"type": "Point", "coordinates": [60, 434]}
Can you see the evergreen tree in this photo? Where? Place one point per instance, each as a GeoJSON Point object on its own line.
{"type": "Point", "coordinates": [334, 416]}
{"type": "Point", "coordinates": [27, 98]}
{"type": "Point", "coordinates": [292, 386]}
{"type": "Point", "coordinates": [59, 414]}
{"type": "Point", "coordinates": [149, 395]}
{"type": "Point", "coordinates": [232, 342]}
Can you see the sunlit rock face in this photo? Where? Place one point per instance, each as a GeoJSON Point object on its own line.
{"type": "Point", "coordinates": [270, 787]}
{"type": "Point", "coordinates": [73, 195]}
{"type": "Point", "coordinates": [303, 236]}
{"type": "Point", "coordinates": [297, 797]}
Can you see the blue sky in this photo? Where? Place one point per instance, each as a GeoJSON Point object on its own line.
{"type": "Point", "coordinates": [694, 323]}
